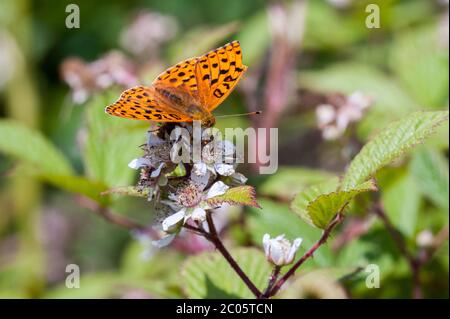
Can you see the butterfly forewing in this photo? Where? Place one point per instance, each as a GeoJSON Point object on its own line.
{"type": "Point", "coordinates": [180, 75]}
{"type": "Point", "coordinates": [141, 103]}
{"type": "Point", "coordinates": [218, 72]}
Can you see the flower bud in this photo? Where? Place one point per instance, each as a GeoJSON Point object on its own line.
{"type": "Point", "coordinates": [279, 251]}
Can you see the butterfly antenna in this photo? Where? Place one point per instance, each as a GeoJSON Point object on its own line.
{"type": "Point", "coordinates": [240, 114]}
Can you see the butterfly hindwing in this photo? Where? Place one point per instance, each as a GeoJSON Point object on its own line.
{"type": "Point", "coordinates": [140, 103]}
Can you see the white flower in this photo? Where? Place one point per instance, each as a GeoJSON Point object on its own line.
{"type": "Point", "coordinates": [196, 199]}
{"type": "Point", "coordinates": [139, 162]}
{"type": "Point", "coordinates": [279, 250]}
{"type": "Point", "coordinates": [217, 159]}
{"type": "Point", "coordinates": [173, 223]}
{"type": "Point", "coordinates": [333, 120]}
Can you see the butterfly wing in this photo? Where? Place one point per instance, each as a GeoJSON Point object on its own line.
{"type": "Point", "coordinates": [181, 75]}
{"type": "Point", "coordinates": [208, 79]}
{"type": "Point", "coordinates": [217, 73]}
{"type": "Point", "coordinates": [141, 103]}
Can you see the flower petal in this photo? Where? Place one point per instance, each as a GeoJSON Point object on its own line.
{"type": "Point", "coordinates": [172, 223]}
{"type": "Point", "coordinates": [199, 169]}
{"type": "Point", "coordinates": [154, 140]}
{"type": "Point", "coordinates": [201, 180]}
{"type": "Point", "coordinates": [139, 162]}
{"type": "Point", "coordinates": [217, 189]}
{"type": "Point", "coordinates": [266, 244]}
{"type": "Point", "coordinates": [239, 178]}
{"type": "Point", "coordinates": [157, 171]}
{"type": "Point", "coordinates": [295, 245]}
{"type": "Point", "coordinates": [199, 214]}
{"type": "Point", "coordinates": [224, 169]}
{"type": "Point", "coordinates": [163, 242]}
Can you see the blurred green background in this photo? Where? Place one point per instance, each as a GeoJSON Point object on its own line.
{"type": "Point", "coordinates": [59, 150]}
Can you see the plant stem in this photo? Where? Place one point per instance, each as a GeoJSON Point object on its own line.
{"type": "Point", "coordinates": [214, 238]}
{"type": "Point", "coordinates": [326, 234]}
{"type": "Point", "coordinates": [113, 218]}
{"type": "Point", "coordinates": [272, 279]}
{"type": "Point", "coordinates": [414, 264]}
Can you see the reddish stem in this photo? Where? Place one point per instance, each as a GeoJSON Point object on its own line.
{"type": "Point", "coordinates": [214, 238]}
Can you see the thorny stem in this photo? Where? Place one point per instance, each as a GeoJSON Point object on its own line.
{"type": "Point", "coordinates": [326, 234]}
{"type": "Point", "coordinates": [415, 262]}
{"type": "Point", "coordinates": [272, 279]}
{"type": "Point", "coordinates": [215, 239]}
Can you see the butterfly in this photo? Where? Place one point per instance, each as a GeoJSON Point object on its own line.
{"type": "Point", "coordinates": [187, 91]}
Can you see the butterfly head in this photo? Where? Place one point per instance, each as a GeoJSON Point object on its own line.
{"type": "Point", "coordinates": [209, 120]}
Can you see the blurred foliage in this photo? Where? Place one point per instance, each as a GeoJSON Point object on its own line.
{"type": "Point", "coordinates": [52, 151]}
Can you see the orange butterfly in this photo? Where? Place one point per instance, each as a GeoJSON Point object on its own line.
{"type": "Point", "coordinates": [188, 91]}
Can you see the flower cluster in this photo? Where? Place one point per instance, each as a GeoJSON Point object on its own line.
{"type": "Point", "coordinates": [333, 119]}
{"type": "Point", "coordinates": [183, 191]}
{"type": "Point", "coordinates": [85, 78]}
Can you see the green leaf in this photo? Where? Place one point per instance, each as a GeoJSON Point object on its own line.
{"type": "Point", "coordinates": [254, 37]}
{"type": "Point", "coordinates": [32, 147]}
{"type": "Point", "coordinates": [327, 28]}
{"type": "Point", "coordinates": [427, 78]}
{"type": "Point", "coordinates": [391, 143]}
{"type": "Point", "coordinates": [402, 201]}
{"type": "Point", "coordinates": [430, 170]}
{"type": "Point", "coordinates": [289, 181]}
{"type": "Point", "coordinates": [318, 204]}
{"type": "Point", "coordinates": [111, 143]}
{"type": "Point", "coordinates": [208, 275]}
{"type": "Point", "coordinates": [241, 195]}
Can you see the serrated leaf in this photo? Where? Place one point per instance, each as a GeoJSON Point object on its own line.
{"type": "Point", "coordinates": [402, 200]}
{"type": "Point", "coordinates": [208, 275]}
{"type": "Point", "coordinates": [391, 143]}
{"type": "Point", "coordinates": [134, 191]}
{"type": "Point", "coordinates": [426, 79]}
{"type": "Point", "coordinates": [318, 204]}
{"type": "Point", "coordinates": [241, 195]}
{"type": "Point", "coordinates": [32, 147]}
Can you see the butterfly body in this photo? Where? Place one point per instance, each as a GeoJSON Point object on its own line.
{"type": "Point", "coordinates": [186, 92]}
